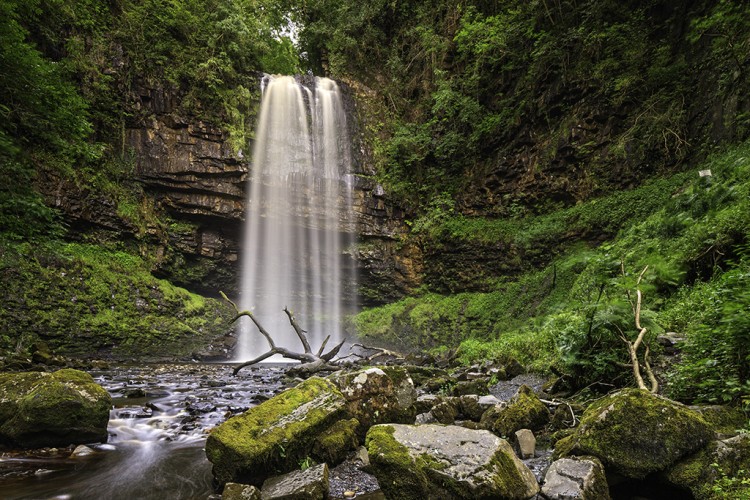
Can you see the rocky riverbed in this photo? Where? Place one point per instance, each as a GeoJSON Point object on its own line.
{"type": "Point", "coordinates": [156, 430]}
{"type": "Point", "coordinates": [353, 434]}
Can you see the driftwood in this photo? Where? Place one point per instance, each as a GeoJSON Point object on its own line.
{"type": "Point", "coordinates": [311, 362]}
{"type": "Point", "coordinates": [376, 352]}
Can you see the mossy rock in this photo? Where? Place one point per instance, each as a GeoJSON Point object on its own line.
{"type": "Point", "coordinates": [636, 433]}
{"type": "Point", "coordinates": [581, 478]}
{"type": "Point", "coordinates": [723, 419]}
{"type": "Point", "coordinates": [275, 436]}
{"type": "Point", "coordinates": [52, 409]}
{"type": "Point", "coordinates": [724, 465]}
{"type": "Point", "coordinates": [420, 374]}
{"type": "Point", "coordinates": [417, 462]}
{"type": "Point", "coordinates": [377, 395]}
{"type": "Point", "coordinates": [523, 411]}
{"type": "Point", "coordinates": [480, 387]}
{"type": "Point", "coordinates": [333, 444]}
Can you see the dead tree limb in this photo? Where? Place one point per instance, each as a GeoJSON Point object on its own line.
{"type": "Point", "coordinates": [310, 363]}
{"type": "Point", "coordinates": [379, 352]}
{"type": "Point", "coordinates": [634, 345]}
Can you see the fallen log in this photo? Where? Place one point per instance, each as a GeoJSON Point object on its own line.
{"type": "Point", "coordinates": [311, 363]}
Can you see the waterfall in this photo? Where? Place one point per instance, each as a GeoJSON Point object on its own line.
{"type": "Point", "coordinates": [298, 200]}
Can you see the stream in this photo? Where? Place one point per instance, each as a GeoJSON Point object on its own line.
{"type": "Point", "coordinates": [157, 431]}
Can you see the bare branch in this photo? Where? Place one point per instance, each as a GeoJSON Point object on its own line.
{"type": "Point", "coordinates": [650, 372]}
{"type": "Point", "coordinates": [299, 331]}
{"type": "Point", "coordinates": [333, 352]}
{"type": "Point", "coordinates": [252, 317]}
{"type": "Point", "coordinates": [254, 361]}
{"type": "Point", "coordinates": [323, 345]}
{"type": "Point", "coordinates": [633, 346]}
{"type": "Point", "coordinates": [311, 363]}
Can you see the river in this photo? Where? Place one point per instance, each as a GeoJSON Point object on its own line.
{"type": "Point", "coordinates": [157, 431]}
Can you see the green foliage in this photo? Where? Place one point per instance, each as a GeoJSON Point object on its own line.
{"type": "Point", "coordinates": [571, 315]}
{"type": "Point", "coordinates": [716, 363]}
{"type": "Point", "coordinates": [734, 487]}
{"type": "Point", "coordinates": [42, 120]}
{"type": "Point", "coordinates": [83, 299]}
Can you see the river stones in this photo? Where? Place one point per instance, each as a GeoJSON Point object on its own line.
{"type": "Point", "coordinates": [523, 411]}
{"type": "Point", "coordinates": [722, 458]}
{"type": "Point", "coordinates": [236, 491]}
{"type": "Point", "coordinates": [378, 395]}
{"type": "Point", "coordinates": [52, 409]}
{"type": "Point", "coordinates": [576, 478]}
{"type": "Point", "coordinates": [274, 437]}
{"type": "Point", "coordinates": [436, 461]}
{"type": "Point", "coordinates": [308, 484]}
{"type": "Point", "coordinates": [635, 433]}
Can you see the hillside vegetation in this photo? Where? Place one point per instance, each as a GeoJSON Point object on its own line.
{"type": "Point", "coordinates": [69, 72]}
{"type": "Point", "coordinates": [550, 152]}
{"type": "Point", "coordinates": [546, 153]}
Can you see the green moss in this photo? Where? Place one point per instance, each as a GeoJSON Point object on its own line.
{"type": "Point", "coordinates": [398, 474]}
{"type": "Point", "coordinates": [273, 437]}
{"type": "Point", "coordinates": [719, 470]}
{"type": "Point", "coordinates": [634, 433]}
{"type": "Point", "coordinates": [42, 409]}
{"type": "Point", "coordinates": [397, 374]}
{"type": "Point", "coordinates": [508, 481]}
{"type": "Point", "coordinates": [84, 299]}
{"type": "Point", "coordinates": [723, 419]}
{"type": "Point", "coordinates": [334, 443]}
{"type": "Point", "coordinates": [524, 411]}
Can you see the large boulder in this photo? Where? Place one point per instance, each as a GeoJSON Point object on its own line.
{"type": "Point", "coordinates": [728, 458]}
{"type": "Point", "coordinates": [576, 478]}
{"type": "Point", "coordinates": [334, 444]}
{"type": "Point", "coordinates": [52, 409]}
{"type": "Point", "coordinates": [275, 436]}
{"type": "Point", "coordinates": [524, 411]}
{"type": "Point", "coordinates": [635, 433]}
{"type": "Point", "coordinates": [436, 461]}
{"type": "Point", "coordinates": [378, 395]}
{"type": "Point", "coordinates": [308, 484]}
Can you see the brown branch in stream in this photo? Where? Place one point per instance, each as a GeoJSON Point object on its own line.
{"type": "Point", "coordinates": [310, 363]}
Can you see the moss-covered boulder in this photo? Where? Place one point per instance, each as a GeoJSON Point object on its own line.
{"type": "Point", "coordinates": [523, 411]}
{"type": "Point", "coordinates": [635, 433]}
{"type": "Point", "coordinates": [378, 395]}
{"type": "Point", "coordinates": [52, 409]}
{"type": "Point", "coordinates": [434, 461]}
{"type": "Point", "coordinates": [333, 444]}
{"type": "Point", "coordinates": [723, 419]}
{"type": "Point", "coordinates": [724, 465]}
{"type": "Point", "coordinates": [275, 436]}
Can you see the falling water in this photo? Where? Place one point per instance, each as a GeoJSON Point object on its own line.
{"type": "Point", "coordinates": [299, 195]}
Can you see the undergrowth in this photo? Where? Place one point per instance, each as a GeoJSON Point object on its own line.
{"type": "Point", "coordinates": [90, 300]}
{"type": "Point", "coordinates": [689, 232]}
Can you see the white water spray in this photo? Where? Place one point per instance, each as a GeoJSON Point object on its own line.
{"type": "Point", "coordinates": [298, 197]}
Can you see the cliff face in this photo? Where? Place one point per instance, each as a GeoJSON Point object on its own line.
{"type": "Point", "coordinates": [197, 182]}
{"type": "Point", "coordinates": [187, 166]}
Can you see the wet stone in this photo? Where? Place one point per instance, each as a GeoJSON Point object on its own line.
{"type": "Point", "coordinates": [308, 484]}
{"type": "Point", "coordinates": [236, 491]}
